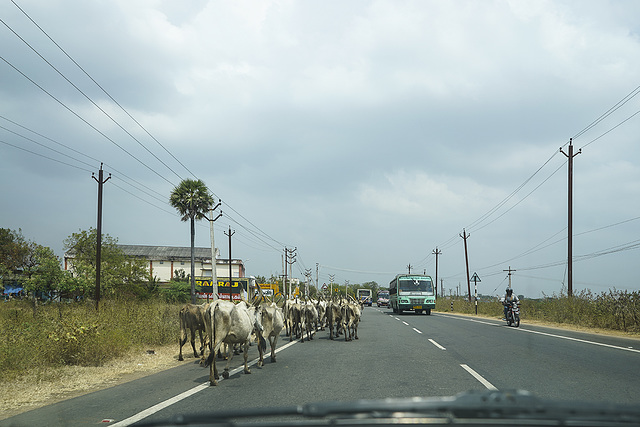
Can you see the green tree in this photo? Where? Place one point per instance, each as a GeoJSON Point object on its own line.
{"type": "Point", "coordinates": [192, 200]}
{"type": "Point", "coordinates": [13, 253]}
{"type": "Point", "coordinates": [120, 275]}
{"type": "Point", "coordinates": [45, 274]}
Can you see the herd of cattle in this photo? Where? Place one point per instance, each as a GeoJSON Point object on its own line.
{"type": "Point", "coordinates": [234, 326]}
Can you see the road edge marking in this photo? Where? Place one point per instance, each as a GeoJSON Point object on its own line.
{"type": "Point", "coordinates": [175, 399]}
{"type": "Point", "coordinates": [617, 347]}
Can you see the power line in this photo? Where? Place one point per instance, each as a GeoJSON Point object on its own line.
{"type": "Point", "coordinates": [87, 97]}
{"type": "Point", "coordinates": [46, 157]}
{"type": "Point", "coordinates": [103, 90]}
{"type": "Point", "coordinates": [84, 120]}
{"type": "Point", "coordinates": [610, 111]}
{"type": "Point", "coordinates": [110, 117]}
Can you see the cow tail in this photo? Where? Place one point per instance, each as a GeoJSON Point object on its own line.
{"type": "Point", "coordinates": [183, 329]}
{"type": "Point", "coordinates": [212, 353]}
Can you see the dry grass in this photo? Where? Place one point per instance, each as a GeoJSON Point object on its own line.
{"type": "Point", "coordinates": [40, 388]}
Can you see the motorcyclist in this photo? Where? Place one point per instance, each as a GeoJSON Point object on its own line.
{"type": "Point", "coordinates": [507, 300]}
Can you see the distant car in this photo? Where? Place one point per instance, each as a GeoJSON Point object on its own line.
{"type": "Point", "coordinates": [383, 302]}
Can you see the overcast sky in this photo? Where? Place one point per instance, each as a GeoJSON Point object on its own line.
{"type": "Point", "coordinates": [363, 133]}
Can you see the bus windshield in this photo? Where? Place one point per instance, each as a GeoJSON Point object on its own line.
{"type": "Point", "coordinates": [415, 285]}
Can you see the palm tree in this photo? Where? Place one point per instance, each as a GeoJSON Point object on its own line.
{"type": "Point", "coordinates": [192, 200]}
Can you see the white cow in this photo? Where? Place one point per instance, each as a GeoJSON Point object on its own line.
{"type": "Point", "coordinates": [231, 324]}
{"type": "Point", "coordinates": [272, 323]}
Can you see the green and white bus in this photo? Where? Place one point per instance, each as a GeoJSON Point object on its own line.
{"type": "Point", "coordinates": [412, 292]}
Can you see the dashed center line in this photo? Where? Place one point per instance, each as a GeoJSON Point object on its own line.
{"type": "Point", "coordinates": [479, 377]}
{"type": "Point", "coordinates": [418, 331]}
{"type": "Point", "coordinates": [436, 344]}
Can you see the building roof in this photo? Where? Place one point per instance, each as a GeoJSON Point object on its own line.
{"type": "Point", "coordinates": [169, 253]}
{"type": "Point", "coordinates": [165, 253]}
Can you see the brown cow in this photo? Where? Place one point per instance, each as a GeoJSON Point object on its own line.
{"type": "Point", "coordinates": [192, 318]}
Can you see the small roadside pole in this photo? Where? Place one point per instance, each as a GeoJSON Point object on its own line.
{"type": "Point", "coordinates": [475, 280]}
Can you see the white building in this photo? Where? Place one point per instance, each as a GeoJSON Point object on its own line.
{"type": "Point", "coordinates": [164, 261]}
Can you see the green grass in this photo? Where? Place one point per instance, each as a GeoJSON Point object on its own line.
{"type": "Point", "coordinates": [75, 334]}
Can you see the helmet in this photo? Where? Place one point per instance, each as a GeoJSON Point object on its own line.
{"type": "Point", "coordinates": [509, 291]}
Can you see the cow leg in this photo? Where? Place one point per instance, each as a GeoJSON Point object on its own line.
{"type": "Point", "coordinates": [225, 373]}
{"type": "Point", "coordinates": [202, 343]}
{"type": "Point", "coordinates": [183, 340]}
{"type": "Point", "coordinates": [193, 343]}
{"type": "Point", "coordinates": [261, 360]}
{"type": "Point", "coordinates": [273, 340]}
{"type": "Point", "coordinates": [246, 354]}
{"type": "Point", "coordinates": [213, 369]}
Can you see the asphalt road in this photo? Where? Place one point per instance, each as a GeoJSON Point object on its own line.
{"type": "Point", "coordinates": [396, 356]}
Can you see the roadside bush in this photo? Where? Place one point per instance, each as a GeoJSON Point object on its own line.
{"type": "Point", "coordinates": [177, 292]}
{"type": "Point", "coordinates": [615, 310]}
{"type": "Point", "coordinates": [75, 334]}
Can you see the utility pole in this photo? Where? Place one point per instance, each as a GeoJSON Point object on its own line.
{"type": "Point", "coordinates": [409, 267]}
{"type": "Point", "coordinates": [436, 252]}
{"type": "Point", "coordinates": [346, 287]}
{"type": "Point", "coordinates": [289, 259]}
{"type": "Point", "coordinates": [100, 182]}
{"type": "Point", "coordinates": [570, 156]}
{"type": "Point", "coordinates": [331, 279]}
{"type": "Point", "coordinates": [231, 233]}
{"type": "Point", "coordinates": [317, 285]}
{"type": "Point", "coordinates": [465, 236]}
{"type": "Point", "coordinates": [284, 266]}
{"type": "Point", "coordinates": [214, 272]}
{"type": "Point", "coordinates": [307, 275]}
{"type": "Point", "coordinates": [510, 271]}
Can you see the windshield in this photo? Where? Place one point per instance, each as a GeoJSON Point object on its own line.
{"type": "Point", "coordinates": [155, 154]}
{"type": "Point", "coordinates": [416, 285]}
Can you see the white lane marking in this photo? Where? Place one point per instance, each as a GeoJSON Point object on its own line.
{"type": "Point", "coordinates": [548, 334]}
{"type": "Point", "coordinates": [581, 340]}
{"type": "Point", "coordinates": [405, 323]}
{"type": "Point", "coordinates": [162, 405]}
{"type": "Point", "coordinates": [418, 331]}
{"type": "Point", "coordinates": [436, 344]}
{"type": "Point", "coordinates": [479, 377]}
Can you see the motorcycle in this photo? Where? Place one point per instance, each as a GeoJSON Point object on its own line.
{"type": "Point", "coordinates": [513, 313]}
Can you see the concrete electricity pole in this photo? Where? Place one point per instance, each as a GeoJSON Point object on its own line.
{"type": "Point", "coordinates": [214, 272]}
{"type": "Point", "coordinates": [465, 236]}
{"type": "Point", "coordinates": [570, 156]}
{"type": "Point", "coordinates": [510, 271]}
{"type": "Point", "coordinates": [289, 259]}
{"type": "Point", "coordinates": [436, 252]}
{"type": "Point", "coordinates": [331, 279]}
{"type": "Point", "coordinates": [231, 233]}
{"type": "Point", "coordinates": [100, 182]}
